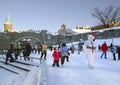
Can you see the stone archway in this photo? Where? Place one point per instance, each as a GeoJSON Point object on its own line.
{"type": "Point", "coordinates": [27, 37]}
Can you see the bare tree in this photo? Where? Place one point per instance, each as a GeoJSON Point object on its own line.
{"type": "Point", "coordinates": [107, 16]}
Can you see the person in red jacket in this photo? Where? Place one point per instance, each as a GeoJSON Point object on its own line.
{"type": "Point", "coordinates": [56, 55]}
{"type": "Point", "coordinates": [104, 49]}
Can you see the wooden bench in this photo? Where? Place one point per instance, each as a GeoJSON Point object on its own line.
{"type": "Point", "coordinates": [31, 58]}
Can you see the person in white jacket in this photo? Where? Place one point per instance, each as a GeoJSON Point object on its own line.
{"type": "Point", "coordinates": [89, 49]}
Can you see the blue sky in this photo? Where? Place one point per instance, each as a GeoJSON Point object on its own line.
{"type": "Point", "coordinates": [51, 14]}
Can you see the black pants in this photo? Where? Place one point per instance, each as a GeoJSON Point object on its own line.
{"type": "Point", "coordinates": [43, 54]}
{"type": "Point", "coordinates": [11, 59]}
{"type": "Point", "coordinates": [118, 56]}
{"type": "Point", "coordinates": [63, 59]}
{"type": "Point", "coordinates": [114, 58]}
{"type": "Point", "coordinates": [26, 57]}
{"type": "Point", "coordinates": [67, 58]}
{"type": "Point", "coordinates": [55, 62]}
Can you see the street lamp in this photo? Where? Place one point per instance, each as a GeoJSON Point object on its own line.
{"type": "Point", "coordinates": [112, 30]}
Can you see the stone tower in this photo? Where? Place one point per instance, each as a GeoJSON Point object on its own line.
{"type": "Point", "coordinates": [63, 27]}
{"type": "Point", "coordinates": [8, 25]}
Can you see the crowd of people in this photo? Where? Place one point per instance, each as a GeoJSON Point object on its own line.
{"type": "Point", "coordinates": [113, 48]}
{"type": "Point", "coordinates": [13, 52]}
{"type": "Point", "coordinates": [62, 52]}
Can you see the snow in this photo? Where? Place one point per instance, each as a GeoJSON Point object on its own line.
{"type": "Point", "coordinates": [75, 72]}
{"type": "Point", "coordinates": [81, 30]}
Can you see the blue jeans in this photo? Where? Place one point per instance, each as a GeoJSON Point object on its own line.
{"type": "Point", "coordinates": [104, 53]}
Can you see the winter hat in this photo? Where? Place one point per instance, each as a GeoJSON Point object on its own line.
{"type": "Point", "coordinates": [54, 48]}
{"type": "Point", "coordinates": [91, 37]}
{"type": "Point", "coordinates": [63, 44]}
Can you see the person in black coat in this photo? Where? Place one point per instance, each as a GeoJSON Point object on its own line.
{"type": "Point", "coordinates": [9, 54]}
{"type": "Point", "coordinates": [27, 50]}
{"type": "Point", "coordinates": [118, 50]}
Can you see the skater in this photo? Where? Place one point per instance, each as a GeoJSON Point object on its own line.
{"type": "Point", "coordinates": [104, 49]}
{"type": "Point", "coordinates": [111, 47]}
{"type": "Point", "coordinates": [27, 51]}
{"type": "Point", "coordinates": [89, 48]}
{"type": "Point", "coordinates": [18, 50]}
{"type": "Point", "coordinates": [72, 48]}
{"type": "Point", "coordinates": [64, 53]}
{"type": "Point", "coordinates": [99, 47]}
{"type": "Point", "coordinates": [118, 51]}
{"type": "Point", "coordinates": [44, 51]}
{"type": "Point", "coordinates": [9, 54]}
{"type": "Point", "coordinates": [56, 55]}
{"type": "Point", "coordinates": [114, 51]}
{"type": "Point", "coordinates": [80, 47]}
{"type": "Point", "coordinates": [39, 48]}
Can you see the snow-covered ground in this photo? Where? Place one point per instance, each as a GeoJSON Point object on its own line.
{"type": "Point", "coordinates": [76, 72]}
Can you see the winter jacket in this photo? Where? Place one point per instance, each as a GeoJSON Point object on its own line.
{"type": "Point", "coordinates": [114, 49]}
{"type": "Point", "coordinates": [27, 50]}
{"type": "Point", "coordinates": [9, 53]}
{"type": "Point", "coordinates": [118, 49]}
{"type": "Point", "coordinates": [64, 51]}
{"type": "Point", "coordinates": [104, 47]}
{"type": "Point", "coordinates": [44, 48]}
{"type": "Point", "coordinates": [56, 55]}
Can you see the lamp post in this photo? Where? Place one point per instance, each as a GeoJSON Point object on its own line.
{"type": "Point", "coordinates": [112, 30]}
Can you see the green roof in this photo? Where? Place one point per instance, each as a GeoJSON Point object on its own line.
{"type": "Point", "coordinates": [8, 20]}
